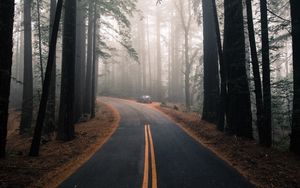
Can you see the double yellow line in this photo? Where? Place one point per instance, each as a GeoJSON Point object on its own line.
{"type": "Point", "coordinates": [148, 140]}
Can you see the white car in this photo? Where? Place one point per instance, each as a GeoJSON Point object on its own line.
{"type": "Point", "coordinates": [145, 99]}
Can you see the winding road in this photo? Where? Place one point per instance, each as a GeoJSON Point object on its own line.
{"type": "Point", "coordinates": [149, 150]}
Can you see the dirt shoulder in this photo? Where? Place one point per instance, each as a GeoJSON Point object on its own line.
{"type": "Point", "coordinates": [57, 159]}
{"type": "Point", "coordinates": [264, 167]}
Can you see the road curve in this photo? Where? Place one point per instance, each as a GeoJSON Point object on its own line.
{"type": "Point", "coordinates": [149, 150]}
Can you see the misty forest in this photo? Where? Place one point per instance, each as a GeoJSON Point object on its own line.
{"type": "Point", "coordinates": [79, 77]}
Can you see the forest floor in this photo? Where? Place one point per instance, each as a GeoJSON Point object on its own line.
{"type": "Point", "coordinates": [57, 159]}
{"type": "Point", "coordinates": [264, 167]}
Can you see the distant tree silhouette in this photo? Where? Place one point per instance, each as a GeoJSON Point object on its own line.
{"type": "Point", "coordinates": [27, 103]}
{"type": "Point", "coordinates": [89, 63]}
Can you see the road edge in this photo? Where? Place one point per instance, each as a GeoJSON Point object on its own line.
{"type": "Point", "coordinates": [65, 171]}
{"type": "Point", "coordinates": [193, 136]}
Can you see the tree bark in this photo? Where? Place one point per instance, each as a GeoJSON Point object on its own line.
{"type": "Point", "coordinates": [66, 110]}
{"type": "Point", "coordinates": [50, 117]}
{"type": "Point", "coordinates": [158, 58]}
{"type": "Point", "coordinates": [172, 59]}
{"type": "Point", "coordinates": [170, 49]}
{"type": "Point", "coordinates": [88, 80]}
{"type": "Point", "coordinates": [239, 119]}
{"type": "Point", "coordinates": [35, 145]}
{"type": "Point", "coordinates": [143, 50]}
{"type": "Point", "coordinates": [186, 24]}
{"type": "Point", "coordinates": [295, 136]}
{"type": "Point", "coordinates": [80, 59]}
{"type": "Point", "coordinates": [6, 45]}
{"type": "Point", "coordinates": [210, 61]}
{"type": "Point", "coordinates": [149, 58]}
{"type": "Point", "coordinates": [27, 103]}
{"type": "Point", "coordinates": [40, 41]}
{"type": "Point", "coordinates": [267, 128]}
{"type": "Point", "coordinates": [94, 76]}
{"type": "Point", "coordinates": [176, 65]}
{"type": "Point", "coordinates": [187, 71]}
{"type": "Point", "coordinates": [223, 73]}
{"type": "Point", "coordinates": [256, 73]}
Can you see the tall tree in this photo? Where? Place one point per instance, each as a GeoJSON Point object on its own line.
{"type": "Point", "coordinates": [267, 128]}
{"type": "Point", "coordinates": [149, 58]}
{"type": "Point", "coordinates": [6, 44]}
{"type": "Point", "coordinates": [66, 109]}
{"type": "Point", "coordinates": [295, 136]}
{"type": "Point", "coordinates": [239, 118]}
{"type": "Point", "coordinates": [256, 73]}
{"type": "Point", "coordinates": [186, 25]}
{"type": "Point", "coordinates": [143, 58]}
{"type": "Point", "coordinates": [94, 64]}
{"type": "Point", "coordinates": [158, 57]}
{"type": "Point", "coordinates": [35, 145]}
{"type": "Point", "coordinates": [80, 58]}
{"type": "Point", "coordinates": [170, 52]}
{"type": "Point", "coordinates": [50, 117]}
{"type": "Point", "coordinates": [27, 104]}
{"type": "Point", "coordinates": [176, 87]}
{"type": "Point", "coordinates": [210, 60]}
{"type": "Point", "coordinates": [38, 7]}
{"type": "Point", "coordinates": [171, 58]}
{"type": "Point", "coordinates": [88, 80]}
{"type": "Point", "coordinates": [223, 72]}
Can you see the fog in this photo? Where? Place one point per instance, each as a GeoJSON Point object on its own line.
{"type": "Point", "coordinates": [156, 64]}
{"type": "Point", "coordinates": [90, 90]}
{"type": "Point", "coordinates": [158, 38]}
{"type": "Point", "coordinates": [149, 48]}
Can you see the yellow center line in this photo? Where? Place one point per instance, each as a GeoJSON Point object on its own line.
{"type": "Point", "coordinates": [154, 175]}
{"type": "Point", "coordinates": [146, 164]}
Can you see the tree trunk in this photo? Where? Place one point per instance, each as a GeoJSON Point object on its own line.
{"type": "Point", "coordinates": [21, 70]}
{"type": "Point", "coordinates": [239, 119]}
{"type": "Point", "coordinates": [170, 45]}
{"type": "Point", "coordinates": [210, 61]}
{"type": "Point", "coordinates": [172, 59]}
{"type": "Point", "coordinates": [27, 103]}
{"type": "Point", "coordinates": [34, 150]}
{"type": "Point", "coordinates": [50, 117]}
{"type": "Point", "coordinates": [80, 59]}
{"type": "Point", "coordinates": [158, 56]}
{"type": "Point", "coordinates": [40, 40]}
{"type": "Point", "coordinates": [143, 50]}
{"type": "Point", "coordinates": [187, 71]}
{"type": "Point", "coordinates": [94, 76]}
{"type": "Point", "coordinates": [295, 136]}
{"type": "Point", "coordinates": [6, 45]}
{"type": "Point", "coordinates": [66, 110]}
{"type": "Point", "coordinates": [149, 58]}
{"type": "Point", "coordinates": [256, 73]}
{"type": "Point", "coordinates": [267, 128]}
{"type": "Point", "coordinates": [186, 25]}
{"type": "Point", "coordinates": [88, 84]}
{"type": "Point", "coordinates": [176, 70]}
{"type": "Point", "coordinates": [223, 73]}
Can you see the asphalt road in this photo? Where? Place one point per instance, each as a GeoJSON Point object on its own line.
{"type": "Point", "coordinates": [149, 150]}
